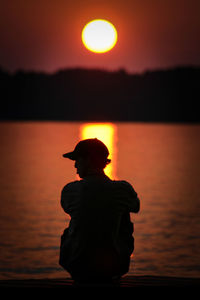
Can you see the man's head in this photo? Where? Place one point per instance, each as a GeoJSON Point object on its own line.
{"type": "Point", "coordinates": [90, 157]}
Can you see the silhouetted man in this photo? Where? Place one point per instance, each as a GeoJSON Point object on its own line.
{"type": "Point", "coordinates": [98, 242]}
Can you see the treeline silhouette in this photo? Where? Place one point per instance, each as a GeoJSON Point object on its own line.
{"type": "Point", "coordinates": [97, 95]}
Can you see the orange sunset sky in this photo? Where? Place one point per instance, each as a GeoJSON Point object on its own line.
{"type": "Point", "coordinates": [45, 35]}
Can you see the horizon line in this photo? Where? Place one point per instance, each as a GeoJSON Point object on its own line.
{"type": "Point", "coordinates": [101, 69]}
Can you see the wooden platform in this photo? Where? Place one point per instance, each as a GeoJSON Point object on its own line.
{"type": "Point", "coordinates": [127, 281]}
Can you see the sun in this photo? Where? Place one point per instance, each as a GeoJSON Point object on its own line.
{"type": "Point", "coordinates": [99, 36]}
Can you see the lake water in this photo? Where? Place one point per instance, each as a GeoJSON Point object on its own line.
{"type": "Point", "coordinates": [161, 161]}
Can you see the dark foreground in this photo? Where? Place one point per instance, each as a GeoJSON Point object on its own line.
{"type": "Point", "coordinates": [127, 281]}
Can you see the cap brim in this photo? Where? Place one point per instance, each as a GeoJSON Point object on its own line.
{"type": "Point", "coordinates": [70, 155]}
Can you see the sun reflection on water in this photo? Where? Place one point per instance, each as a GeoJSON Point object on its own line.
{"type": "Point", "coordinates": [106, 132]}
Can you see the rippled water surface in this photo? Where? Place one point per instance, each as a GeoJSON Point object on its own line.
{"type": "Point", "coordinates": [161, 161]}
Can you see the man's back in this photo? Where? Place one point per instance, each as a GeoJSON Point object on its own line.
{"type": "Point", "coordinates": [99, 237]}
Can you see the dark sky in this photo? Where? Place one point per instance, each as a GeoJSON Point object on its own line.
{"type": "Point", "coordinates": [46, 34]}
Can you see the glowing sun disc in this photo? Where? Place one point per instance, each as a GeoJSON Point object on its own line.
{"type": "Point", "coordinates": [99, 36]}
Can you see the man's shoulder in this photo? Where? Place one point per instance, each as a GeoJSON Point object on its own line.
{"type": "Point", "coordinates": [116, 184]}
{"type": "Point", "coordinates": [122, 184]}
{"type": "Point", "coordinates": [72, 185]}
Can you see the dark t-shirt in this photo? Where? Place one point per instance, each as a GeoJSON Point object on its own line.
{"type": "Point", "coordinates": [100, 229]}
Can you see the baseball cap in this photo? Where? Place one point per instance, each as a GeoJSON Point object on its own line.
{"type": "Point", "coordinates": [89, 147]}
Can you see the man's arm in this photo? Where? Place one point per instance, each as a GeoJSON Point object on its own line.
{"type": "Point", "coordinates": [69, 196]}
{"type": "Point", "coordinates": [133, 201]}
{"type": "Point", "coordinates": [64, 199]}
